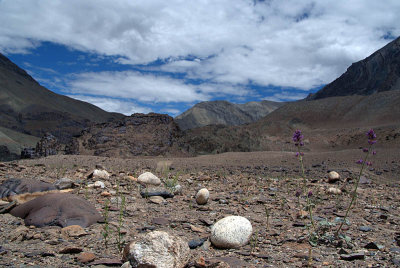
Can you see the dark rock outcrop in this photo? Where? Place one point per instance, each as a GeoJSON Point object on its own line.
{"type": "Point", "coordinates": [378, 72]}
{"type": "Point", "coordinates": [224, 113]}
{"type": "Point", "coordinates": [140, 134]}
{"type": "Point", "coordinates": [48, 145]}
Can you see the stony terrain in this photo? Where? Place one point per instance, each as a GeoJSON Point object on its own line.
{"type": "Point", "coordinates": [260, 186]}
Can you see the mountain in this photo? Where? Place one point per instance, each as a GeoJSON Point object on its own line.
{"type": "Point", "coordinates": [224, 113]}
{"type": "Point", "coordinates": [29, 108]}
{"type": "Point", "coordinates": [366, 96]}
{"type": "Point", "coordinates": [378, 72]}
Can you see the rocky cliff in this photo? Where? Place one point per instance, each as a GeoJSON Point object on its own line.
{"type": "Point", "coordinates": [378, 72]}
{"type": "Point", "coordinates": [140, 134]}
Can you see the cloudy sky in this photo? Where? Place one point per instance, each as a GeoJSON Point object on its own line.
{"type": "Point", "coordinates": [164, 56]}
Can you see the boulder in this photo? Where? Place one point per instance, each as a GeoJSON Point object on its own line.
{"type": "Point", "coordinates": [202, 196]}
{"type": "Point", "coordinates": [157, 249]}
{"type": "Point", "coordinates": [231, 232]}
{"type": "Point", "coordinates": [333, 177]}
{"type": "Point", "coordinates": [100, 174]}
{"type": "Point", "coordinates": [149, 178]}
{"type": "Point", "coordinates": [19, 189]}
{"type": "Point", "coordinates": [57, 209]}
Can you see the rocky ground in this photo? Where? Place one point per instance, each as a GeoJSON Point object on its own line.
{"type": "Point", "coordinates": [260, 186]}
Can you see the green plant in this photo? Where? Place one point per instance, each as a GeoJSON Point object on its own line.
{"type": "Point", "coordinates": [254, 242]}
{"type": "Point", "coordinates": [267, 215]}
{"type": "Point", "coordinates": [120, 242]}
{"type": "Point", "coordinates": [371, 141]}
{"type": "Point", "coordinates": [173, 182]}
{"type": "Point", "coordinates": [106, 227]}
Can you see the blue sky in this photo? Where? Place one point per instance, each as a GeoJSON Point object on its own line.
{"type": "Point", "coordinates": [164, 56]}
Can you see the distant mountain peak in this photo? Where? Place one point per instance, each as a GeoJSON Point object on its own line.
{"type": "Point", "coordinates": [222, 112]}
{"type": "Point", "coordinates": [377, 73]}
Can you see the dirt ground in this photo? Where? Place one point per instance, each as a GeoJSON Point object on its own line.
{"type": "Point", "coordinates": [260, 186]}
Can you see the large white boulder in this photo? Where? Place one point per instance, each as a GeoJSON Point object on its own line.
{"type": "Point", "coordinates": [231, 232]}
{"type": "Point", "coordinates": [149, 178]}
{"type": "Point", "coordinates": [157, 249]}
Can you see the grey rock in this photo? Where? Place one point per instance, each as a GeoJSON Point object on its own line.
{"type": "Point", "coordinates": [195, 243]}
{"type": "Point", "coordinates": [365, 228]}
{"type": "Point", "coordinates": [156, 191]}
{"type": "Point", "coordinates": [64, 183]}
{"type": "Point", "coordinates": [157, 249]}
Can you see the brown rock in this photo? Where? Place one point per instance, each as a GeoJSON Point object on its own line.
{"type": "Point", "coordinates": [70, 250]}
{"type": "Point", "coordinates": [85, 257]}
{"type": "Point", "coordinates": [57, 209]}
{"type": "Point", "coordinates": [73, 231]}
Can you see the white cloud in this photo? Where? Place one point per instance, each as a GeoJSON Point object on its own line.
{"type": "Point", "coordinates": [148, 88]}
{"type": "Point", "coordinates": [286, 96]}
{"type": "Point", "coordinates": [135, 85]}
{"type": "Point", "coordinates": [283, 43]}
{"type": "Point", "coordinates": [111, 105]}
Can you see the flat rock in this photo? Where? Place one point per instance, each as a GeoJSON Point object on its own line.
{"type": "Point", "coordinates": [64, 183]}
{"type": "Point", "coordinates": [156, 191]}
{"type": "Point", "coordinates": [157, 249]}
{"type": "Point", "coordinates": [353, 256]}
{"type": "Point", "coordinates": [231, 232]}
{"type": "Point", "coordinates": [85, 257]}
{"type": "Point", "coordinates": [73, 231]}
{"type": "Point", "coordinates": [157, 199]}
{"type": "Point", "coordinates": [70, 250]}
{"type": "Point", "coordinates": [57, 209]}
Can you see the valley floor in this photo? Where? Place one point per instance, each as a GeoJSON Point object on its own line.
{"type": "Point", "coordinates": [260, 186]}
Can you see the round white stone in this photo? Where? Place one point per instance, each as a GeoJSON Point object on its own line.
{"type": "Point", "coordinates": [333, 175]}
{"type": "Point", "coordinates": [202, 196]}
{"type": "Point", "coordinates": [231, 232]}
{"type": "Point", "coordinates": [149, 178]}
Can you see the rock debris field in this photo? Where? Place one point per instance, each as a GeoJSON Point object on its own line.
{"type": "Point", "coordinates": [226, 210]}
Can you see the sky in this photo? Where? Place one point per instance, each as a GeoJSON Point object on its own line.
{"type": "Point", "coordinates": [131, 56]}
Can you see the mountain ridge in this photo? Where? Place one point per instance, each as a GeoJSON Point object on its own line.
{"type": "Point", "coordinates": [222, 112]}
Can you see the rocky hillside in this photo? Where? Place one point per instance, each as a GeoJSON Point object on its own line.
{"type": "Point", "coordinates": [378, 72]}
{"type": "Point", "coordinates": [139, 134]}
{"type": "Point", "coordinates": [224, 113]}
{"type": "Point", "coordinates": [337, 122]}
{"type": "Point", "coordinates": [27, 107]}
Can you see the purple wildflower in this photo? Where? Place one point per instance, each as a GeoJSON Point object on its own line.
{"type": "Point", "coordinates": [309, 194]}
{"type": "Point", "coordinates": [368, 163]}
{"type": "Point", "coordinates": [359, 161]}
{"type": "Point", "coordinates": [297, 137]}
{"type": "Point", "coordinates": [371, 134]}
{"type": "Point", "coordinates": [374, 152]}
{"type": "Point", "coordinates": [365, 150]}
{"type": "Point", "coordinates": [371, 137]}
